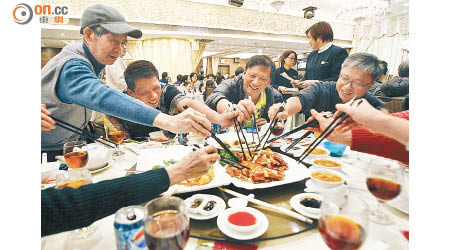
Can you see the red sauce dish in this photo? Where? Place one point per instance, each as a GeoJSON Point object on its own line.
{"type": "Point", "coordinates": [242, 220]}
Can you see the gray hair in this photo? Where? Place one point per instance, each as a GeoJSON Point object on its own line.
{"type": "Point", "coordinates": [364, 62]}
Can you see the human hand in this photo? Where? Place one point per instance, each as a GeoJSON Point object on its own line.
{"type": "Point", "coordinates": [283, 115]}
{"type": "Point", "coordinates": [226, 119]}
{"type": "Point", "coordinates": [47, 123]}
{"type": "Point", "coordinates": [281, 88]}
{"type": "Point", "coordinates": [189, 120]}
{"type": "Point", "coordinates": [193, 165]}
{"type": "Point", "coordinates": [336, 136]}
{"type": "Point", "coordinates": [260, 122]}
{"type": "Point", "coordinates": [246, 108]}
{"type": "Point", "coordinates": [362, 115]}
{"type": "Point", "coordinates": [306, 83]}
{"type": "Point", "coordinates": [296, 83]}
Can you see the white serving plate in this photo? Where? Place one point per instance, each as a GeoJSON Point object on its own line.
{"type": "Point", "coordinates": [295, 172]}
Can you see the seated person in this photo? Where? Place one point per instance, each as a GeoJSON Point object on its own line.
{"type": "Point", "coordinates": [67, 209]}
{"type": "Point", "coordinates": [142, 82]}
{"type": "Point", "coordinates": [357, 76]}
{"type": "Point", "coordinates": [397, 86]}
{"type": "Point", "coordinates": [371, 131]}
{"type": "Point", "coordinates": [381, 79]}
{"type": "Point", "coordinates": [254, 82]}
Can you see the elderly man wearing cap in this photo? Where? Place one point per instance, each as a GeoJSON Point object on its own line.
{"type": "Point", "coordinates": [71, 88]}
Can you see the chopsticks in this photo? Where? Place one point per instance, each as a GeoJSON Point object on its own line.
{"type": "Point", "coordinates": [268, 205]}
{"type": "Point", "coordinates": [270, 125]}
{"type": "Point", "coordinates": [225, 160]}
{"type": "Point", "coordinates": [307, 125]}
{"type": "Point", "coordinates": [237, 132]}
{"type": "Point", "coordinates": [242, 132]}
{"type": "Point", "coordinates": [297, 141]}
{"type": "Point", "coordinates": [254, 126]}
{"type": "Point", "coordinates": [82, 132]}
{"type": "Point", "coordinates": [327, 131]}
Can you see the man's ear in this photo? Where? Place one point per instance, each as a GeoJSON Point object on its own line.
{"type": "Point", "coordinates": [130, 93]}
{"type": "Point", "coordinates": [88, 33]}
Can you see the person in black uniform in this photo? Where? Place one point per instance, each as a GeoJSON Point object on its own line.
{"type": "Point", "coordinates": [288, 61]}
{"type": "Point", "coordinates": [324, 63]}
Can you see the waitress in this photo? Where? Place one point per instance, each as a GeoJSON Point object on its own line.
{"type": "Point", "coordinates": [288, 61]}
{"type": "Point", "coordinates": [324, 63]}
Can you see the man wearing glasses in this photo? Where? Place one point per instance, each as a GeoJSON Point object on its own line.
{"type": "Point", "coordinates": [358, 73]}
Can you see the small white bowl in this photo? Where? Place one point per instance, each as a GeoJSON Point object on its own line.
{"type": "Point", "coordinates": [237, 228]}
{"type": "Point", "coordinates": [311, 210]}
{"type": "Point", "coordinates": [49, 171]}
{"type": "Point", "coordinates": [311, 155]}
{"type": "Point", "coordinates": [327, 184]}
{"type": "Point", "coordinates": [325, 167]}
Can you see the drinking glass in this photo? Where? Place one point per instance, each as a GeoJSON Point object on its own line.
{"type": "Point", "coordinates": [278, 128]}
{"type": "Point", "coordinates": [343, 221]}
{"type": "Point", "coordinates": [74, 178]}
{"type": "Point", "coordinates": [115, 133]}
{"type": "Point", "coordinates": [76, 154]}
{"type": "Point", "coordinates": [384, 181]}
{"type": "Point", "coordinates": [166, 224]}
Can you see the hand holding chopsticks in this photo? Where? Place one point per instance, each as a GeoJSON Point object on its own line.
{"type": "Point", "coordinates": [83, 132]}
{"type": "Point", "coordinates": [341, 117]}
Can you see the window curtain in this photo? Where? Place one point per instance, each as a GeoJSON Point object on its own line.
{"type": "Point", "coordinates": [388, 40]}
{"type": "Point", "coordinates": [196, 56]}
{"type": "Point", "coordinates": [215, 65]}
{"type": "Point", "coordinates": [170, 55]}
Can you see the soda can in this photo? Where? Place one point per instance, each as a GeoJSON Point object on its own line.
{"type": "Point", "coordinates": [129, 228]}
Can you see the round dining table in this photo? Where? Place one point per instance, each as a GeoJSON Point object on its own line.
{"type": "Point", "coordinates": [379, 237]}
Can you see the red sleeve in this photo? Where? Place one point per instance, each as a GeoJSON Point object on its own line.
{"type": "Point", "coordinates": [403, 114]}
{"type": "Point", "coordinates": [378, 144]}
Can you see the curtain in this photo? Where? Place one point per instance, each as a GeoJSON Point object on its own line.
{"type": "Point", "coordinates": [388, 40]}
{"type": "Point", "coordinates": [197, 56]}
{"type": "Point", "coordinates": [169, 55]}
{"type": "Point", "coordinates": [215, 64]}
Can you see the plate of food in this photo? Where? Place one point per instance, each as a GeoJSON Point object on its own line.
{"type": "Point", "coordinates": [267, 169]}
{"type": "Point", "coordinates": [158, 136]}
{"type": "Point", "coordinates": [231, 140]}
{"type": "Point", "coordinates": [154, 158]}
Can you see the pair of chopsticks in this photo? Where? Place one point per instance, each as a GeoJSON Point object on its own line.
{"type": "Point", "coordinates": [268, 205]}
{"type": "Point", "coordinates": [83, 132]}
{"type": "Point", "coordinates": [236, 124]}
{"type": "Point", "coordinates": [225, 160]}
{"type": "Point", "coordinates": [307, 125]}
{"type": "Point", "coordinates": [254, 126]}
{"type": "Point", "coordinates": [327, 131]}
{"type": "Point", "coordinates": [272, 125]}
{"type": "Point", "coordinates": [297, 141]}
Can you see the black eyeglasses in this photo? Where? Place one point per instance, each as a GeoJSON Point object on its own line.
{"type": "Point", "coordinates": [355, 85]}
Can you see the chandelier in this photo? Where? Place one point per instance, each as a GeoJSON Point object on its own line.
{"type": "Point", "coordinates": [360, 11]}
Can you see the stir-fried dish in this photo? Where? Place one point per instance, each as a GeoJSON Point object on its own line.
{"type": "Point", "coordinates": [266, 166]}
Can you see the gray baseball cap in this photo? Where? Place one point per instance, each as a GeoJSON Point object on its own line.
{"type": "Point", "coordinates": [108, 18]}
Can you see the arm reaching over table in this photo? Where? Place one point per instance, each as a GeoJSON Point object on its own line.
{"type": "Point", "coordinates": [376, 121]}
{"type": "Point", "coordinates": [188, 121]}
{"type": "Point", "coordinates": [67, 209]}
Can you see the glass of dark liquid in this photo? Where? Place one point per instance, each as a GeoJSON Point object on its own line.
{"type": "Point", "coordinates": [166, 224]}
{"type": "Point", "coordinates": [278, 128]}
{"type": "Point", "coordinates": [76, 154]}
{"type": "Point", "coordinates": [384, 181]}
{"type": "Point", "coordinates": [115, 133]}
{"type": "Point", "coordinates": [343, 221]}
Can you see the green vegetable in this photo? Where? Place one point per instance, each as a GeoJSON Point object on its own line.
{"type": "Point", "coordinates": [224, 154]}
{"type": "Point", "coordinates": [166, 163]}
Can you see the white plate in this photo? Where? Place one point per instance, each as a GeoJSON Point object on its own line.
{"type": "Point", "coordinates": [108, 164]}
{"type": "Point", "coordinates": [220, 208]}
{"type": "Point", "coordinates": [295, 172]}
{"type": "Point", "coordinates": [260, 230]}
{"type": "Point", "coordinates": [155, 156]}
{"type": "Point", "coordinates": [295, 204]}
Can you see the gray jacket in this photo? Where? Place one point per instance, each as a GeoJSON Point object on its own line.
{"type": "Point", "coordinates": [233, 91]}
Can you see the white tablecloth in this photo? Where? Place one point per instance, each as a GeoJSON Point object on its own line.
{"type": "Point", "coordinates": [379, 237]}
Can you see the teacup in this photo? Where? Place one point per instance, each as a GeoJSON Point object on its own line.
{"type": "Point", "coordinates": [99, 156]}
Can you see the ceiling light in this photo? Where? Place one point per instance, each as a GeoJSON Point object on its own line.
{"type": "Point", "coordinates": [62, 34]}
